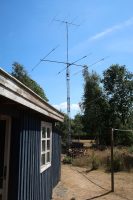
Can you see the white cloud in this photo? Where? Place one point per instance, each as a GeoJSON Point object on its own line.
{"type": "Point", "coordinates": [122, 25]}
{"type": "Point", "coordinates": [63, 106]}
{"type": "Point", "coordinates": [80, 47]}
{"type": "Point", "coordinates": [75, 107]}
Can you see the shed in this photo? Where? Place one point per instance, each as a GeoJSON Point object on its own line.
{"type": "Point", "coordinates": [30, 145]}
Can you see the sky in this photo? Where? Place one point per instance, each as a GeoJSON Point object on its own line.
{"type": "Point", "coordinates": [30, 30]}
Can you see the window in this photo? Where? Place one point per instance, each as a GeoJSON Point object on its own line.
{"type": "Point", "coordinates": [46, 145]}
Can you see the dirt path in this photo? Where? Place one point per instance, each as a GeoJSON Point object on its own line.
{"type": "Point", "coordinates": [76, 184]}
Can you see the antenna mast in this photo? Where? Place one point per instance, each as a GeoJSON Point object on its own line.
{"type": "Point", "coordinates": [68, 82]}
{"type": "Point", "coordinates": [67, 68]}
{"type": "Point", "coordinates": [68, 93]}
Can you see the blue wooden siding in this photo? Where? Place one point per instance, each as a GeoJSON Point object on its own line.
{"type": "Point", "coordinates": [2, 146]}
{"type": "Point", "coordinates": [25, 180]}
{"type": "Point", "coordinates": [34, 185]}
{"type": "Point", "coordinates": [56, 158]}
{"type": "Point", "coordinates": [14, 159]}
{"type": "Point", "coordinates": [29, 158]}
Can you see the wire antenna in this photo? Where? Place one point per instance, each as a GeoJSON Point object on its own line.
{"type": "Point", "coordinates": [45, 57]}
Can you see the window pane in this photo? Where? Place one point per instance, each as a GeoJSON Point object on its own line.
{"type": "Point", "coordinates": [43, 159]}
{"type": "Point", "coordinates": [48, 144]}
{"type": "Point", "coordinates": [48, 132]}
{"type": "Point", "coordinates": [43, 132]}
{"type": "Point", "coordinates": [46, 147]}
{"type": "Point", "coordinates": [43, 145]}
{"type": "Point", "coordinates": [48, 157]}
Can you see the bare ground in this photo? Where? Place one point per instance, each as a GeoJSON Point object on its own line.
{"type": "Point", "coordinates": [76, 184]}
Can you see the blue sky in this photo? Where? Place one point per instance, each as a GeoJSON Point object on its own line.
{"type": "Point", "coordinates": [29, 32]}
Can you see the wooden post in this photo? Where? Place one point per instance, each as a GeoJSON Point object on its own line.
{"type": "Point", "coordinates": [112, 160]}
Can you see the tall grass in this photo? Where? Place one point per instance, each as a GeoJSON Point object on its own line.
{"type": "Point", "coordinates": [123, 160]}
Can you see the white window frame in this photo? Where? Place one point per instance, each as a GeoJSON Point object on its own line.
{"type": "Point", "coordinates": [46, 151]}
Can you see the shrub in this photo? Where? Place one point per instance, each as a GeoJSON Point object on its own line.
{"type": "Point", "coordinates": [91, 161]}
{"type": "Point", "coordinates": [81, 161]}
{"type": "Point", "coordinates": [67, 160]}
{"type": "Point", "coordinates": [124, 138]}
{"type": "Point", "coordinates": [95, 162]}
{"type": "Point", "coordinates": [128, 162]}
{"type": "Point", "coordinates": [118, 163]}
{"type": "Point", "coordinates": [123, 160]}
{"type": "Point", "coordinates": [130, 149]}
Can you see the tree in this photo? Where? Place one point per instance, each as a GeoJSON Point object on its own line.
{"type": "Point", "coordinates": [118, 84]}
{"type": "Point", "coordinates": [63, 128]}
{"type": "Point", "coordinates": [77, 126]}
{"type": "Point", "coordinates": [94, 105]}
{"type": "Point", "coordinates": [111, 107]}
{"type": "Point", "coordinates": [21, 74]}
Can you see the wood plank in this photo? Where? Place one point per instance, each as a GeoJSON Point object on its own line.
{"type": "Point", "coordinates": [18, 92]}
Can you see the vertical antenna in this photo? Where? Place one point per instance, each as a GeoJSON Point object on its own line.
{"type": "Point", "coordinates": [68, 93]}
{"type": "Point", "coordinates": [68, 84]}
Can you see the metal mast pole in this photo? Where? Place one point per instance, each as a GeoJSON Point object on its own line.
{"type": "Point", "coordinates": [68, 93]}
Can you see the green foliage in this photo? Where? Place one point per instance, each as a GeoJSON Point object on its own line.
{"type": "Point", "coordinates": [111, 107]}
{"type": "Point", "coordinates": [130, 149]}
{"type": "Point", "coordinates": [67, 160]}
{"type": "Point", "coordinates": [63, 128]}
{"type": "Point", "coordinates": [117, 164]}
{"type": "Point", "coordinates": [124, 138]}
{"type": "Point", "coordinates": [77, 126]}
{"type": "Point", "coordinates": [118, 84]}
{"type": "Point", "coordinates": [21, 74]}
{"type": "Point", "coordinates": [95, 105]}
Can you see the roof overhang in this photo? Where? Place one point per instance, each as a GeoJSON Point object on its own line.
{"type": "Point", "coordinates": [14, 90]}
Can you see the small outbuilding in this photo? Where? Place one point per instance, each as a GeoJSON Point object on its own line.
{"type": "Point", "coordinates": [30, 145]}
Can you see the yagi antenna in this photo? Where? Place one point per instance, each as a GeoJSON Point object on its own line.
{"type": "Point", "coordinates": [45, 57]}
{"type": "Point", "coordinates": [67, 74]}
{"type": "Point", "coordinates": [92, 64]}
{"type": "Point", "coordinates": [66, 22]}
{"type": "Point", "coordinates": [73, 63]}
{"type": "Point", "coordinates": [68, 64]}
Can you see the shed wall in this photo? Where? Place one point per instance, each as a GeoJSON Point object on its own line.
{"type": "Point", "coordinates": [25, 180]}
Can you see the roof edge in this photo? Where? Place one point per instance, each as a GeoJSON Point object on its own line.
{"type": "Point", "coordinates": [15, 86]}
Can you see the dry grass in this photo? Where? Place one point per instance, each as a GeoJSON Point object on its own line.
{"type": "Point", "coordinates": [94, 159]}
